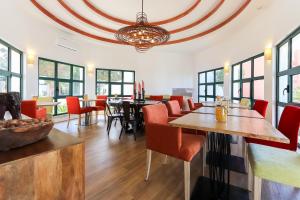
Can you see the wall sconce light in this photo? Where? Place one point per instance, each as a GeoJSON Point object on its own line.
{"type": "Point", "coordinates": [30, 59]}
{"type": "Point", "coordinates": [226, 68]}
{"type": "Point", "coordinates": [90, 69]}
{"type": "Point", "coordinates": [268, 54]}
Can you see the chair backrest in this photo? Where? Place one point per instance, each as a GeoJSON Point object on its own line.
{"type": "Point", "coordinates": [179, 99]}
{"type": "Point", "coordinates": [126, 110]}
{"type": "Point", "coordinates": [191, 104]}
{"type": "Point", "coordinates": [73, 105]}
{"type": "Point", "coordinates": [245, 102]}
{"type": "Point", "coordinates": [47, 99]}
{"type": "Point", "coordinates": [156, 97]}
{"type": "Point", "coordinates": [155, 114]}
{"type": "Point", "coordinates": [173, 108]}
{"type": "Point", "coordinates": [103, 99]}
{"type": "Point", "coordinates": [28, 108]}
{"type": "Point", "coordinates": [289, 125]}
{"type": "Point", "coordinates": [261, 107]}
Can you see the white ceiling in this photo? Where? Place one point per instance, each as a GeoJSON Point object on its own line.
{"type": "Point", "coordinates": [155, 10]}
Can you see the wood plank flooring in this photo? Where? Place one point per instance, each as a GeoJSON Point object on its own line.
{"type": "Point", "coordinates": [115, 169]}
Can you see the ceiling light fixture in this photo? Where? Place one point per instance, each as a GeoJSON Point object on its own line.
{"type": "Point", "coordinates": [142, 35]}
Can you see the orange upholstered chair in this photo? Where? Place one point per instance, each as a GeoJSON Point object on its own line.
{"type": "Point", "coordinates": [194, 106]}
{"type": "Point", "coordinates": [156, 97]}
{"type": "Point", "coordinates": [75, 109]}
{"type": "Point", "coordinates": [174, 109]}
{"type": "Point", "coordinates": [100, 105]}
{"type": "Point", "coordinates": [30, 109]}
{"type": "Point", "coordinates": [179, 99]}
{"type": "Point", "coordinates": [261, 107]}
{"type": "Point", "coordinates": [171, 141]}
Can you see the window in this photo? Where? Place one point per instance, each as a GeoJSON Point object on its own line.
{"type": "Point", "coordinates": [10, 68]}
{"type": "Point", "coordinates": [59, 80]}
{"type": "Point", "coordinates": [288, 73]}
{"type": "Point", "coordinates": [210, 84]}
{"type": "Point", "coordinates": [112, 82]}
{"type": "Point", "coordinates": [248, 79]}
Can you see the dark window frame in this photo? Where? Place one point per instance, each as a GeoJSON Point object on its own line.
{"type": "Point", "coordinates": [245, 80]}
{"type": "Point", "coordinates": [109, 82]}
{"type": "Point", "coordinates": [56, 80]}
{"type": "Point", "coordinates": [214, 83]}
{"type": "Point", "coordinates": [8, 73]}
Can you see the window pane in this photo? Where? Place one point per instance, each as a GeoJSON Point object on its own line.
{"type": "Point", "coordinates": [102, 89]}
{"type": "Point", "coordinates": [296, 51]}
{"type": "Point", "coordinates": [3, 84]}
{"type": "Point", "coordinates": [115, 89]}
{"type": "Point", "coordinates": [219, 90]}
{"type": "Point", "coordinates": [236, 90]}
{"type": "Point", "coordinates": [259, 64]}
{"type": "Point", "coordinates": [210, 76]}
{"type": "Point", "coordinates": [259, 89]}
{"type": "Point", "coordinates": [296, 88]}
{"type": "Point", "coordinates": [78, 73]}
{"type": "Point", "coordinates": [283, 57]}
{"type": "Point", "coordinates": [62, 107]}
{"type": "Point", "coordinates": [116, 76]}
{"type": "Point", "coordinates": [246, 69]}
{"type": "Point", "coordinates": [201, 99]}
{"type": "Point", "coordinates": [128, 89]}
{"type": "Point", "coordinates": [102, 75]}
{"type": "Point", "coordinates": [210, 90]}
{"type": "Point", "coordinates": [15, 84]}
{"type": "Point", "coordinates": [202, 90]}
{"type": "Point", "coordinates": [128, 77]}
{"type": "Point", "coordinates": [46, 68]}
{"type": "Point", "coordinates": [246, 90]}
{"type": "Point", "coordinates": [280, 110]}
{"type": "Point", "coordinates": [202, 78]}
{"type": "Point", "coordinates": [220, 75]}
{"type": "Point", "coordinates": [3, 57]}
{"type": "Point", "coordinates": [236, 72]}
{"type": "Point", "coordinates": [283, 83]}
{"type": "Point", "coordinates": [77, 89]}
{"type": "Point", "coordinates": [63, 71]}
{"type": "Point", "coordinates": [46, 88]}
{"type": "Point", "coordinates": [63, 88]}
{"type": "Point", "coordinates": [15, 62]}
{"type": "Point", "coordinates": [210, 99]}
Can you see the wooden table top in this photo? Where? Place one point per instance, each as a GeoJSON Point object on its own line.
{"type": "Point", "coordinates": [231, 105]}
{"type": "Point", "coordinates": [42, 104]}
{"type": "Point", "coordinates": [241, 126]}
{"type": "Point", "coordinates": [55, 140]}
{"type": "Point", "coordinates": [231, 112]}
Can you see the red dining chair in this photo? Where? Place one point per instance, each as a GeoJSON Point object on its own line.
{"type": "Point", "coordinates": [174, 109]}
{"type": "Point", "coordinates": [261, 107]}
{"type": "Point", "coordinates": [100, 105]}
{"type": "Point", "coordinates": [179, 99]}
{"type": "Point", "coordinates": [156, 97]}
{"type": "Point", "coordinates": [194, 106]}
{"type": "Point", "coordinates": [30, 109]}
{"type": "Point", "coordinates": [75, 109]}
{"type": "Point", "coordinates": [171, 141]}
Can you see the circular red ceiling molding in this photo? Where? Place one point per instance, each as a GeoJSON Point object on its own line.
{"type": "Point", "coordinates": [123, 21]}
{"type": "Point", "coordinates": [99, 26]}
{"type": "Point", "coordinates": [201, 34]}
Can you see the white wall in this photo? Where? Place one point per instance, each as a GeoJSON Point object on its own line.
{"type": "Point", "coordinates": [161, 71]}
{"type": "Point", "coordinates": [270, 26]}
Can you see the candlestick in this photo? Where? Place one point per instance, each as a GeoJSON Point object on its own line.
{"type": "Point", "coordinates": [143, 85]}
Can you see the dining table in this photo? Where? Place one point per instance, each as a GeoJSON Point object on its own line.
{"type": "Point", "coordinates": [217, 184]}
{"type": "Point", "coordinates": [47, 104]}
{"type": "Point", "coordinates": [231, 104]}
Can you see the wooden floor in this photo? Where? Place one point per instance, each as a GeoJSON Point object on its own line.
{"type": "Point", "coordinates": [115, 169]}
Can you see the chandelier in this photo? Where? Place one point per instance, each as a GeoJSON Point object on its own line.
{"type": "Point", "coordinates": [142, 35]}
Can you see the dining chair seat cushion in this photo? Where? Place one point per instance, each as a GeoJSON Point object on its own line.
{"type": "Point", "coordinates": [278, 165]}
{"type": "Point", "coordinates": [98, 108]}
{"type": "Point", "coordinates": [86, 110]}
{"type": "Point", "coordinates": [190, 146]}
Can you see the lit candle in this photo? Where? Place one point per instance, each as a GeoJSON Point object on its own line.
{"type": "Point", "coordinates": [143, 85]}
{"type": "Point", "coordinates": [139, 87]}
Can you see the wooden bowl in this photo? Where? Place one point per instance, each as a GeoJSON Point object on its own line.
{"type": "Point", "coordinates": [18, 133]}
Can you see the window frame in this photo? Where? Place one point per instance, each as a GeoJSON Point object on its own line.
{"type": "Point", "coordinates": [109, 82]}
{"type": "Point", "coordinates": [8, 73]}
{"type": "Point", "coordinates": [57, 80]}
{"type": "Point", "coordinates": [214, 83]}
{"type": "Point", "coordinates": [242, 80]}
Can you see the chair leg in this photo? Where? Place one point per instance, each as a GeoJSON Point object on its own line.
{"type": "Point", "coordinates": [121, 131]}
{"type": "Point", "coordinates": [79, 120]}
{"type": "Point", "coordinates": [186, 180]}
{"type": "Point", "coordinates": [246, 160]}
{"type": "Point", "coordinates": [134, 130]}
{"type": "Point", "coordinates": [257, 188]}
{"type": "Point", "coordinates": [69, 118]}
{"type": "Point", "coordinates": [165, 160]}
{"type": "Point", "coordinates": [149, 153]}
{"type": "Point", "coordinates": [250, 178]}
{"type": "Point", "coordinates": [109, 125]}
{"type": "Point", "coordinates": [96, 116]}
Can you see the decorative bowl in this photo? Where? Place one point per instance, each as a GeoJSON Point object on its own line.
{"type": "Point", "coordinates": [18, 133]}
